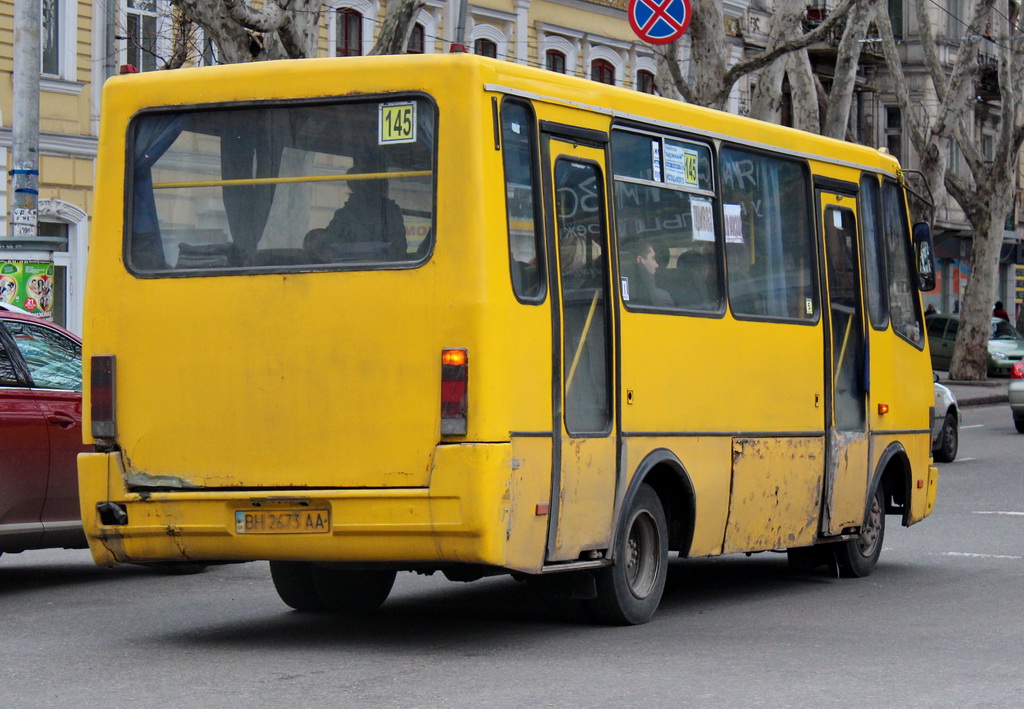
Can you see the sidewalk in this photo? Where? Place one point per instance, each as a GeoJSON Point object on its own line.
{"type": "Point", "coordinates": [990, 391]}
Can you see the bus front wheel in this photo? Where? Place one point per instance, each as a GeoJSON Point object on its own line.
{"type": "Point", "coordinates": [858, 557]}
{"type": "Point", "coordinates": [628, 593]}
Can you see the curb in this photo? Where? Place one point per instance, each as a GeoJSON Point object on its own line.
{"type": "Point", "coordinates": [983, 400]}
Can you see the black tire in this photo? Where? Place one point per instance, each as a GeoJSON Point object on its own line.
{"type": "Point", "coordinates": [1018, 423]}
{"type": "Point", "coordinates": [949, 440]}
{"type": "Point", "coordinates": [857, 557]}
{"type": "Point", "coordinates": [629, 592]}
{"type": "Point", "coordinates": [347, 591]}
{"type": "Point", "coordinates": [294, 583]}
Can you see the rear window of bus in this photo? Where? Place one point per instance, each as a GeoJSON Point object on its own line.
{"type": "Point", "coordinates": [281, 187]}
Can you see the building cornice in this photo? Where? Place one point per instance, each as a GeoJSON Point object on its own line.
{"type": "Point", "coordinates": [58, 144]}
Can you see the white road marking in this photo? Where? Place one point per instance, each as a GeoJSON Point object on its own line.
{"type": "Point", "coordinates": [999, 512]}
{"type": "Point", "coordinates": [964, 460]}
{"type": "Point", "coordinates": [978, 556]}
{"type": "Point", "coordinates": [974, 425]}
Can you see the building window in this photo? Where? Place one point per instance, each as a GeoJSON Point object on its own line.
{"type": "Point", "coordinates": [645, 82]}
{"type": "Point", "coordinates": [417, 42]}
{"type": "Point", "coordinates": [50, 37]}
{"type": "Point", "coordinates": [602, 71]}
{"type": "Point", "coordinates": [894, 132]}
{"type": "Point", "coordinates": [141, 34]}
{"type": "Point", "coordinates": [555, 61]}
{"type": "Point", "coordinates": [485, 48]}
{"type": "Point", "coordinates": [955, 26]}
{"type": "Point", "coordinates": [896, 18]}
{"type": "Point", "coordinates": [349, 33]}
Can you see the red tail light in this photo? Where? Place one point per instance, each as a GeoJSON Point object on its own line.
{"type": "Point", "coordinates": [104, 424]}
{"type": "Point", "coordinates": [1017, 370]}
{"type": "Point", "coordinates": [454, 391]}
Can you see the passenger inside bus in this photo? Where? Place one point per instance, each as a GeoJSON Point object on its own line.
{"type": "Point", "coordinates": [370, 226]}
{"type": "Point", "coordinates": [640, 267]}
{"type": "Point", "coordinates": [687, 283]}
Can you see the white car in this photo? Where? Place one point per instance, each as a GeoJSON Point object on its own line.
{"type": "Point", "coordinates": [946, 424]}
{"type": "Point", "coordinates": [1017, 395]}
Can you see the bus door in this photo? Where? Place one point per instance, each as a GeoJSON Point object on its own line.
{"type": "Point", "coordinates": [846, 459]}
{"type": "Point", "coordinates": [584, 466]}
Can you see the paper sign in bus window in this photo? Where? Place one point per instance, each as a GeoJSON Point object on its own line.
{"type": "Point", "coordinates": [681, 165]}
{"type": "Point", "coordinates": [703, 215]}
{"type": "Point", "coordinates": [656, 160]}
{"type": "Point", "coordinates": [397, 123]}
{"type": "Point", "coordinates": [733, 224]}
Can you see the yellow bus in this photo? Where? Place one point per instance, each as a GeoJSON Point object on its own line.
{"type": "Point", "coordinates": [451, 314]}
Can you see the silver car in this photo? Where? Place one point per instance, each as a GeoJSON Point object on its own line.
{"type": "Point", "coordinates": [946, 424]}
{"type": "Point", "coordinates": [1005, 344]}
{"type": "Point", "coordinates": [1017, 395]}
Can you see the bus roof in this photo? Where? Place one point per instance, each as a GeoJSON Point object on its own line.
{"type": "Point", "coordinates": [347, 76]}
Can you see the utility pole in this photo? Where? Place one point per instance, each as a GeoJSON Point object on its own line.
{"type": "Point", "coordinates": [25, 123]}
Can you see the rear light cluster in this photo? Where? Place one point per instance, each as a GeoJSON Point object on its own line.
{"type": "Point", "coordinates": [104, 425]}
{"type": "Point", "coordinates": [454, 391]}
{"type": "Point", "coordinates": [1017, 370]}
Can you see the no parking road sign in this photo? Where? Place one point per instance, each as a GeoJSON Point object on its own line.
{"type": "Point", "coordinates": [659, 21]}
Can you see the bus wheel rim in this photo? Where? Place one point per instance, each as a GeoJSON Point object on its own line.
{"type": "Point", "coordinates": [642, 557]}
{"type": "Point", "coordinates": [868, 539]}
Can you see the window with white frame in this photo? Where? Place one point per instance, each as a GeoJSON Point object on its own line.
{"type": "Point", "coordinates": [602, 70]}
{"type": "Point", "coordinates": [488, 40]}
{"type": "Point", "coordinates": [605, 64]}
{"type": "Point", "coordinates": [645, 82]}
{"type": "Point", "coordinates": [894, 131]}
{"type": "Point", "coordinates": [555, 61]}
{"type": "Point", "coordinates": [416, 40]}
{"type": "Point", "coordinates": [349, 33]}
{"type": "Point", "coordinates": [560, 53]}
{"type": "Point", "coordinates": [57, 32]}
{"type": "Point", "coordinates": [141, 36]}
{"type": "Point", "coordinates": [485, 48]}
{"type": "Point", "coordinates": [351, 27]}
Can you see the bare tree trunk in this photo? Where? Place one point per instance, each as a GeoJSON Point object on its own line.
{"type": "Point", "coordinates": [988, 204]}
{"type": "Point", "coordinates": [393, 37]}
{"type": "Point", "coordinates": [837, 117]}
{"type": "Point", "coordinates": [713, 79]}
{"type": "Point", "coordinates": [246, 33]}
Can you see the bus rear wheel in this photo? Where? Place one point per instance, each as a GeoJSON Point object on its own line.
{"type": "Point", "coordinates": [313, 588]}
{"type": "Point", "coordinates": [629, 592]}
{"type": "Point", "coordinates": [857, 557]}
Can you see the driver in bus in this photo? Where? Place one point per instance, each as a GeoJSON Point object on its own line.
{"type": "Point", "coordinates": [370, 225]}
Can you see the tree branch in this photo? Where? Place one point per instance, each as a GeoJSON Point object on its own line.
{"type": "Point", "coordinates": [756, 62]}
{"type": "Point", "coordinates": [269, 19]}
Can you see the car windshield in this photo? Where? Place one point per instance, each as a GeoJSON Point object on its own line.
{"type": "Point", "coordinates": [1002, 330]}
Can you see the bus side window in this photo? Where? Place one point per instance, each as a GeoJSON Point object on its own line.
{"type": "Point", "coordinates": [904, 305]}
{"type": "Point", "coordinates": [519, 148]}
{"type": "Point", "coordinates": [874, 252]}
{"type": "Point", "coordinates": [665, 222]}
{"type": "Point", "coordinates": [769, 236]}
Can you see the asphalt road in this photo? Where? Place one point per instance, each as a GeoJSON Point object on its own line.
{"type": "Point", "coordinates": [939, 624]}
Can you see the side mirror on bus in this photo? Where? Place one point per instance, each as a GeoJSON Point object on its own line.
{"type": "Point", "coordinates": [925, 256]}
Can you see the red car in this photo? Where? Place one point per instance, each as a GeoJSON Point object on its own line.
{"type": "Point", "coordinates": [40, 434]}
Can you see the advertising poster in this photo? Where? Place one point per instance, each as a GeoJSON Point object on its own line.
{"type": "Point", "coordinates": [28, 285]}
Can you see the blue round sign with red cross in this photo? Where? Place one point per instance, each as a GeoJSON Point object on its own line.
{"type": "Point", "coordinates": [659, 21]}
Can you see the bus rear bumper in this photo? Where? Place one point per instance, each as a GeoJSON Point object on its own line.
{"type": "Point", "coordinates": [478, 509]}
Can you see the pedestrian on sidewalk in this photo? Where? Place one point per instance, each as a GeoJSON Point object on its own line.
{"type": "Point", "coordinates": [999, 312]}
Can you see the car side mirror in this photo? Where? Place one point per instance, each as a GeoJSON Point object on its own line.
{"type": "Point", "coordinates": [925, 258]}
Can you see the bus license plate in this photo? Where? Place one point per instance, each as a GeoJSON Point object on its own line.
{"type": "Point", "coordinates": [282, 521]}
